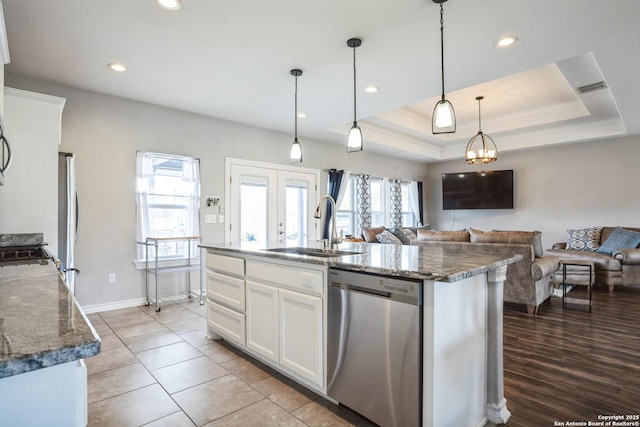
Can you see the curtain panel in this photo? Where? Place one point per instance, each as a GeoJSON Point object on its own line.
{"type": "Point", "coordinates": [363, 199]}
{"type": "Point", "coordinates": [395, 202]}
{"type": "Point", "coordinates": [335, 186]}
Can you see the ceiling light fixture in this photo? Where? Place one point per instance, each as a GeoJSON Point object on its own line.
{"type": "Point", "coordinates": [117, 67]}
{"type": "Point", "coordinates": [170, 4]}
{"type": "Point", "coordinates": [372, 89]}
{"type": "Point", "coordinates": [443, 119]}
{"type": "Point", "coordinates": [302, 115]}
{"type": "Point", "coordinates": [354, 141]}
{"type": "Point", "coordinates": [481, 148]}
{"type": "Point", "coordinates": [296, 148]}
{"type": "Point", "coordinates": [506, 41]}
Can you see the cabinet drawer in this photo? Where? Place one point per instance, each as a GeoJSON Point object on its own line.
{"type": "Point", "coordinates": [226, 290]}
{"type": "Point", "coordinates": [299, 279]}
{"type": "Point", "coordinates": [225, 264]}
{"type": "Point", "coordinates": [226, 322]}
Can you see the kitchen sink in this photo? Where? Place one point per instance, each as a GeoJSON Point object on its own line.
{"type": "Point", "coordinates": [323, 253]}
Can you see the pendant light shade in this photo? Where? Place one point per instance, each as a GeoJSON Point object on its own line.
{"type": "Point", "coordinates": [354, 140]}
{"type": "Point", "coordinates": [296, 149]}
{"type": "Point", "coordinates": [443, 119]}
{"type": "Point", "coordinates": [481, 148]}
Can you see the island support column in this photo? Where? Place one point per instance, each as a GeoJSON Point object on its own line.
{"type": "Point", "coordinates": [496, 410]}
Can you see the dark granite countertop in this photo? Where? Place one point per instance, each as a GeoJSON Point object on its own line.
{"type": "Point", "coordinates": [417, 262]}
{"type": "Point", "coordinates": [41, 323]}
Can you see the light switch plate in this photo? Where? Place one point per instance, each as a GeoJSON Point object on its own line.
{"type": "Point", "coordinates": [221, 218]}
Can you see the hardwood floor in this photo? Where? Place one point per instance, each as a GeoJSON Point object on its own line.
{"type": "Point", "coordinates": [566, 365]}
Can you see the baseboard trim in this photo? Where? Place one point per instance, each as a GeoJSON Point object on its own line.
{"type": "Point", "coordinates": [96, 308]}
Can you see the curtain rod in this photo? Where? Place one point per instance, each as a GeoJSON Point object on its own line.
{"type": "Point", "coordinates": [375, 177]}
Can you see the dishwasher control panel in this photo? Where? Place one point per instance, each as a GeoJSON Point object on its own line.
{"type": "Point", "coordinates": [382, 285]}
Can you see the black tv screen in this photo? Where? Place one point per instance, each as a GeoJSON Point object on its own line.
{"type": "Point", "coordinates": [477, 190]}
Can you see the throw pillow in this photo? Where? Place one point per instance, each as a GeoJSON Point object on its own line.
{"type": "Point", "coordinates": [586, 239]}
{"type": "Point", "coordinates": [399, 234]}
{"type": "Point", "coordinates": [442, 236]}
{"type": "Point", "coordinates": [369, 234]}
{"type": "Point", "coordinates": [620, 239]}
{"type": "Point", "coordinates": [409, 235]}
{"type": "Point", "coordinates": [387, 237]}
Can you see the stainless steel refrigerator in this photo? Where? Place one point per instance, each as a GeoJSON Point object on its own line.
{"type": "Point", "coordinates": [67, 218]}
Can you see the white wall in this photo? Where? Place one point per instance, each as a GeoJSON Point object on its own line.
{"type": "Point", "coordinates": [104, 133]}
{"type": "Point", "coordinates": [556, 188]}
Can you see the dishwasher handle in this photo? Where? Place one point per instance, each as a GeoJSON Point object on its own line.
{"type": "Point", "coordinates": [407, 299]}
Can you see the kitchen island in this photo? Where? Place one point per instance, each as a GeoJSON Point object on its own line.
{"type": "Point", "coordinates": [271, 302]}
{"type": "Point", "coordinates": [44, 337]}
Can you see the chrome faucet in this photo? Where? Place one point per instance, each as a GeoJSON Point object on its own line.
{"type": "Point", "coordinates": [334, 236]}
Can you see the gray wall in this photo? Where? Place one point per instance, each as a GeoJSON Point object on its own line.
{"type": "Point", "coordinates": [556, 188]}
{"type": "Point", "coordinates": [105, 132]}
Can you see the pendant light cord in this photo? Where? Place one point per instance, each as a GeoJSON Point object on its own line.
{"type": "Point", "coordinates": [354, 84]}
{"type": "Point", "coordinates": [479, 117]}
{"type": "Point", "coordinates": [296, 111]}
{"type": "Point", "coordinates": [441, 47]}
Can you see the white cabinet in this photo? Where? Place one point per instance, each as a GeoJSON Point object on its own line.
{"type": "Point", "coordinates": [300, 331]}
{"type": "Point", "coordinates": [226, 290]}
{"type": "Point", "coordinates": [274, 310]}
{"type": "Point", "coordinates": [262, 319]}
{"type": "Point", "coordinates": [226, 322]}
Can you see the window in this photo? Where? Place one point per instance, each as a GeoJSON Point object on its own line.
{"type": "Point", "coordinates": [380, 211]}
{"type": "Point", "coordinates": [346, 214]}
{"type": "Point", "coordinates": [408, 217]}
{"type": "Point", "coordinates": [167, 200]}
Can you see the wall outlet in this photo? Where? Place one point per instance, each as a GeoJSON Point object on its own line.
{"type": "Point", "coordinates": [210, 219]}
{"type": "Point", "coordinates": [221, 218]}
{"type": "Point", "coordinates": [112, 277]}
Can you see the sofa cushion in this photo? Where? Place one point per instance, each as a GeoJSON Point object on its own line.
{"type": "Point", "coordinates": [387, 237]}
{"type": "Point", "coordinates": [369, 234]}
{"type": "Point", "coordinates": [442, 236]}
{"type": "Point", "coordinates": [586, 239]}
{"type": "Point", "coordinates": [619, 239]}
{"type": "Point", "coordinates": [410, 235]}
{"type": "Point", "coordinates": [533, 238]}
{"type": "Point", "coordinates": [398, 232]}
{"type": "Point", "coordinates": [601, 261]}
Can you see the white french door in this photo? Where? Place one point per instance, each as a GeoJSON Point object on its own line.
{"type": "Point", "coordinates": [270, 203]}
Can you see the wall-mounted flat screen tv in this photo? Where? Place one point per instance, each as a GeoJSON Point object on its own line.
{"type": "Point", "coordinates": [477, 190]}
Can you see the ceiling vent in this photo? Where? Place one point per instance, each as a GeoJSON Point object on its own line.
{"type": "Point", "coordinates": [592, 87]}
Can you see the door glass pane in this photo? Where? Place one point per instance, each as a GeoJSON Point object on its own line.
{"type": "Point", "coordinates": [296, 212]}
{"type": "Point", "coordinates": [253, 209]}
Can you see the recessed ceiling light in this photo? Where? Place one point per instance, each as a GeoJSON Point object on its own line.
{"type": "Point", "coordinates": [506, 41]}
{"type": "Point", "coordinates": [302, 115]}
{"type": "Point", "coordinates": [170, 4]}
{"type": "Point", "coordinates": [117, 67]}
{"type": "Point", "coordinates": [371, 89]}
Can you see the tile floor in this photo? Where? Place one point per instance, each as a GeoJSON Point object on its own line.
{"type": "Point", "coordinates": [159, 369]}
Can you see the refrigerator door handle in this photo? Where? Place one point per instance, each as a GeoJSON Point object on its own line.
{"type": "Point", "coordinates": [77, 215]}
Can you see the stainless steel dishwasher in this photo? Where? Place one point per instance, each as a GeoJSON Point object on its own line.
{"type": "Point", "coordinates": [374, 346]}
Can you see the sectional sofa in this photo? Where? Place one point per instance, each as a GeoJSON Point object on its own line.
{"type": "Point", "coordinates": [613, 250]}
{"type": "Point", "coordinates": [529, 282]}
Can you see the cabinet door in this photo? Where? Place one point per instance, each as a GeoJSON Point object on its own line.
{"type": "Point", "coordinates": [300, 325]}
{"type": "Point", "coordinates": [262, 319]}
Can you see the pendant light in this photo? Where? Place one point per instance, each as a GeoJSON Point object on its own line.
{"type": "Point", "coordinates": [354, 141]}
{"type": "Point", "coordinates": [443, 119]}
{"type": "Point", "coordinates": [481, 148]}
{"type": "Point", "coordinates": [296, 148]}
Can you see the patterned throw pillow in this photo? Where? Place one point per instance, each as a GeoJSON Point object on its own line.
{"type": "Point", "coordinates": [388, 237]}
{"type": "Point", "coordinates": [586, 239]}
{"type": "Point", "coordinates": [409, 235]}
